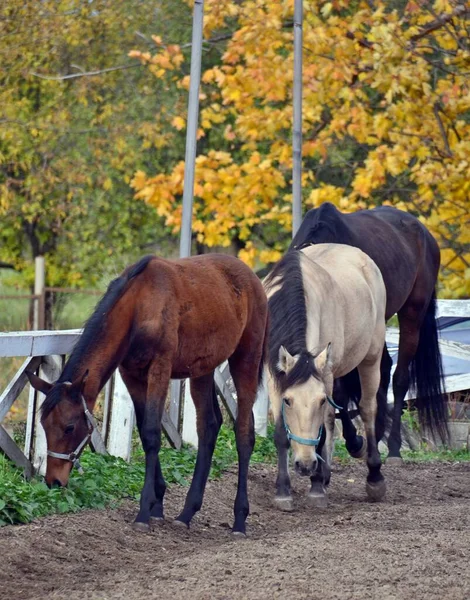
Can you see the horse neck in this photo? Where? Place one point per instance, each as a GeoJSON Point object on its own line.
{"type": "Point", "coordinates": [100, 355]}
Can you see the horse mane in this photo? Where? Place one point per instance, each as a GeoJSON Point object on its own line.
{"type": "Point", "coordinates": [94, 328]}
{"type": "Point", "coordinates": [288, 322]}
{"type": "Point", "coordinates": [325, 224]}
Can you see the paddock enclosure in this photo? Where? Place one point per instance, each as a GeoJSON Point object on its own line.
{"type": "Point", "coordinates": [413, 546]}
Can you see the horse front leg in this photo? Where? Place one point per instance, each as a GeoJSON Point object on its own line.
{"type": "Point", "coordinates": [317, 495]}
{"type": "Point", "coordinates": [151, 498]}
{"type": "Point", "coordinates": [369, 372]}
{"type": "Point", "coordinates": [283, 498]}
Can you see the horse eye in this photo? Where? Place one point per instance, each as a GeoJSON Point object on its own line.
{"type": "Point", "coordinates": [287, 402]}
{"type": "Point", "coordinates": [323, 400]}
{"type": "Point", "coordinates": [69, 429]}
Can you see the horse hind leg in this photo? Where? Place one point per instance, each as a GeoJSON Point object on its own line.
{"type": "Point", "coordinates": [369, 373]}
{"type": "Point", "coordinates": [408, 345]}
{"type": "Point", "coordinates": [209, 421]}
{"type": "Point", "coordinates": [245, 369]}
{"type": "Point", "coordinates": [344, 388]}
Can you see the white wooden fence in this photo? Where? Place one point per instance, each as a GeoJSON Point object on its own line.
{"type": "Point", "coordinates": [445, 308]}
{"type": "Point", "coordinates": [45, 352]}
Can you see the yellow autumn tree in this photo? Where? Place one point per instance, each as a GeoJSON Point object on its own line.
{"type": "Point", "coordinates": [386, 119]}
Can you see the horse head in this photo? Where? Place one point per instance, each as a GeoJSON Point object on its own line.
{"type": "Point", "coordinates": [305, 385]}
{"type": "Point", "coordinates": [67, 424]}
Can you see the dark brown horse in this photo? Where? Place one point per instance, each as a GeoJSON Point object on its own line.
{"type": "Point", "coordinates": [164, 319]}
{"type": "Point", "coordinates": [408, 258]}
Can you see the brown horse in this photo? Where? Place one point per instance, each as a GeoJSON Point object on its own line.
{"type": "Point", "coordinates": [408, 258]}
{"type": "Point", "coordinates": [164, 319]}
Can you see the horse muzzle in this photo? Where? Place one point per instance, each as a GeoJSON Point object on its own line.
{"type": "Point", "coordinates": [305, 469]}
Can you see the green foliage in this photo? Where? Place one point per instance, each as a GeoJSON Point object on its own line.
{"type": "Point", "coordinates": [107, 479]}
{"type": "Point", "coordinates": [69, 142]}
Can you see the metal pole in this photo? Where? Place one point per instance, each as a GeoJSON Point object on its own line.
{"type": "Point", "coordinates": [297, 125]}
{"type": "Point", "coordinates": [191, 131]}
{"type": "Point", "coordinates": [190, 161]}
{"type": "Point", "coordinates": [39, 282]}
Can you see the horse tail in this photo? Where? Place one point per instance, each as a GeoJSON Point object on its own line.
{"type": "Point", "coordinates": [426, 376]}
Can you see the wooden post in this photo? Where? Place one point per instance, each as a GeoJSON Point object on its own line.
{"type": "Point", "coordinates": [174, 410]}
{"type": "Point", "coordinates": [40, 293]}
{"type": "Point", "coordinates": [260, 410]}
{"type": "Point", "coordinates": [189, 433]}
{"type": "Point", "coordinates": [297, 124]}
{"type": "Point", "coordinates": [122, 421]}
{"type": "Point", "coordinates": [49, 371]}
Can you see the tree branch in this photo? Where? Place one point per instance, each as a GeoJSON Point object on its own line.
{"type": "Point", "coordinates": [436, 110]}
{"type": "Point", "coordinates": [87, 73]}
{"type": "Point", "coordinates": [440, 21]}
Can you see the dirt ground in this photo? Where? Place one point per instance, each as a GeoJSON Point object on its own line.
{"type": "Point", "coordinates": [415, 545]}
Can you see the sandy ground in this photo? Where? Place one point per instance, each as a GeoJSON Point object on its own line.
{"type": "Point", "coordinates": [415, 545]}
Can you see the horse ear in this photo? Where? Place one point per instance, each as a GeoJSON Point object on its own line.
{"type": "Point", "coordinates": [39, 384]}
{"type": "Point", "coordinates": [79, 383]}
{"type": "Point", "coordinates": [286, 361]}
{"type": "Point", "coordinates": [323, 359]}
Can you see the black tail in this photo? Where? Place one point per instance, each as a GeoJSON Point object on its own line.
{"type": "Point", "coordinates": [426, 377]}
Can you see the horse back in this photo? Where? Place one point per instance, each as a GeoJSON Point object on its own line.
{"type": "Point", "coordinates": [197, 310]}
{"type": "Point", "coordinates": [347, 300]}
{"type": "Point", "coordinates": [402, 248]}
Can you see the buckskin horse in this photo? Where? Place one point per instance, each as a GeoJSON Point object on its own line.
{"type": "Point", "coordinates": [327, 317]}
{"type": "Point", "coordinates": [408, 258]}
{"type": "Point", "coordinates": [164, 319]}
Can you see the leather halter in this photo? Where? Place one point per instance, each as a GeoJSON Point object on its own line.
{"type": "Point", "coordinates": [301, 440]}
{"type": "Point", "coordinates": [74, 456]}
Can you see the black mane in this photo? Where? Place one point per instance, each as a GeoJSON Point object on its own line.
{"type": "Point", "coordinates": [288, 322]}
{"type": "Point", "coordinates": [325, 224]}
{"type": "Point", "coordinates": [94, 329]}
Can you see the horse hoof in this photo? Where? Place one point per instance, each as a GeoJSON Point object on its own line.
{"type": "Point", "coordinates": [362, 452]}
{"type": "Point", "coordinates": [239, 535]}
{"type": "Point", "coordinates": [394, 461]}
{"type": "Point", "coordinates": [179, 523]}
{"type": "Point", "coordinates": [318, 500]}
{"type": "Point", "coordinates": [140, 527]}
{"type": "Point", "coordinates": [376, 491]}
{"type": "Point", "coordinates": [156, 521]}
{"type": "Point", "coordinates": [284, 503]}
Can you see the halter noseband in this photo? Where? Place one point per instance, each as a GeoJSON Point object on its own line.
{"type": "Point", "coordinates": [306, 441]}
{"type": "Point", "coordinates": [74, 456]}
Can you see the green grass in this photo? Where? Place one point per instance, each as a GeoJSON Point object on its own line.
{"type": "Point", "coordinates": [342, 456]}
{"type": "Point", "coordinates": [108, 480]}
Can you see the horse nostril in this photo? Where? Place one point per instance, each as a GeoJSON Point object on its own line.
{"type": "Point", "coordinates": [56, 484]}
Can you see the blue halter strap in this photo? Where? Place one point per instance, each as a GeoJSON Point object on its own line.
{"type": "Point", "coordinates": [301, 440]}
